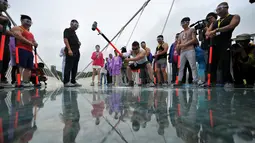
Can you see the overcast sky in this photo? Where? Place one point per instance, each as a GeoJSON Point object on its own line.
{"type": "Point", "coordinates": [51, 17]}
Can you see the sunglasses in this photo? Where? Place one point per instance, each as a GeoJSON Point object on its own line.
{"type": "Point", "coordinates": [159, 39]}
{"type": "Point", "coordinates": [184, 23]}
{"type": "Point", "coordinates": [220, 8]}
{"type": "Point", "coordinates": [75, 24]}
{"type": "Point", "coordinates": [27, 21]}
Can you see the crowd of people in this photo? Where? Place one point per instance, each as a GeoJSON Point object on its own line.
{"type": "Point", "coordinates": [210, 58]}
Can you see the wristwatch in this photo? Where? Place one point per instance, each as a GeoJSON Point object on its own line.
{"type": "Point", "coordinates": [218, 30]}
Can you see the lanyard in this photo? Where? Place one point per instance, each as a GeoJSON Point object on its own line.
{"type": "Point", "coordinates": [220, 21]}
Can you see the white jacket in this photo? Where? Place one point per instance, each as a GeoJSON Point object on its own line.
{"type": "Point", "coordinates": [103, 70]}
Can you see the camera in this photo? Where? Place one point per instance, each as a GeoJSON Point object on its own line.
{"type": "Point", "coordinates": [199, 25]}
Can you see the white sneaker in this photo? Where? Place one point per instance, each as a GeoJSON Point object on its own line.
{"type": "Point", "coordinates": [151, 84]}
{"type": "Point", "coordinates": [69, 84]}
{"type": "Point", "coordinates": [77, 84]}
{"type": "Point", "coordinates": [27, 84]}
{"type": "Point", "coordinates": [200, 82]}
{"type": "Point", "coordinates": [228, 85]}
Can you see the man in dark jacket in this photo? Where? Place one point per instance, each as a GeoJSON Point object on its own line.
{"type": "Point", "coordinates": [173, 58]}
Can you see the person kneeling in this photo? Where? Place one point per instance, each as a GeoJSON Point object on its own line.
{"type": "Point", "coordinates": [140, 61]}
{"type": "Point", "coordinates": [243, 61]}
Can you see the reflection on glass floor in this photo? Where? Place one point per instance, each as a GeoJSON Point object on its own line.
{"type": "Point", "coordinates": [133, 115]}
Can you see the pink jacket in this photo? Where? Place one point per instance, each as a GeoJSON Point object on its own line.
{"type": "Point", "coordinates": [97, 61]}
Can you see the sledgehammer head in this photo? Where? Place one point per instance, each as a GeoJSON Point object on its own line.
{"type": "Point", "coordinates": [94, 26]}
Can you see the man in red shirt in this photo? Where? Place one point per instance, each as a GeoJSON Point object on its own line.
{"type": "Point", "coordinates": [25, 43]}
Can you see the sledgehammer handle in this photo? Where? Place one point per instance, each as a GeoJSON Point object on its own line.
{"type": "Point", "coordinates": [94, 27]}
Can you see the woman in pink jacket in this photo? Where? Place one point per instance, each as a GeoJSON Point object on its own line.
{"type": "Point", "coordinates": [98, 63]}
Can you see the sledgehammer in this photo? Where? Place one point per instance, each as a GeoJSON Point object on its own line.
{"type": "Point", "coordinates": [94, 27]}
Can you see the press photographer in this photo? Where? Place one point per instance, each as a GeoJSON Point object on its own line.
{"type": "Point", "coordinates": [243, 61]}
{"type": "Point", "coordinates": [202, 26]}
{"type": "Point", "coordinates": [206, 41]}
{"type": "Point", "coordinates": [221, 32]}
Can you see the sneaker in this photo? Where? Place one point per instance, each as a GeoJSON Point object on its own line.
{"type": "Point", "coordinates": [77, 84]}
{"type": "Point", "coordinates": [69, 84]}
{"type": "Point", "coordinates": [151, 84]}
{"type": "Point", "coordinates": [200, 82]}
{"type": "Point", "coordinates": [228, 85]}
{"type": "Point", "coordinates": [27, 84]}
{"type": "Point", "coordinates": [92, 84]}
{"type": "Point", "coordinates": [99, 84]}
{"type": "Point", "coordinates": [164, 84]}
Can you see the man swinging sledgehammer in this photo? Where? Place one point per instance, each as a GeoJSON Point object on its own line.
{"type": "Point", "coordinates": [140, 61]}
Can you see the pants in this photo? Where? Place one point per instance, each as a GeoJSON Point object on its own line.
{"type": "Point", "coordinates": [109, 78]}
{"type": "Point", "coordinates": [103, 75]}
{"type": "Point", "coordinates": [116, 80]}
{"type": "Point", "coordinates": [191, 57]}
{"type": "Point", "coordinates": [187, 67]}
{"type": "Point", "coordinates": [174, 71]}
{"type": "Point", "coordinates": [63, 69]}
{"type": "Point", "coordinates": [144, 76]}
{"type": "Point", "coordinates": [13, 74]}
{"type": "Point", "coordinates": [5, 63]}
{"type": "Point", "coordinates": [124, 75]}
{"type": "Point", "coordinates": [71, 66]}
{"type": "Point", "coordinates": [207, 54]}
{"type": "Point", "coordinates": [221, 60]}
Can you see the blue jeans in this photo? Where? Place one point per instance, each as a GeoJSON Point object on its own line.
{"type": "Point", "coordinates": [105, 78]}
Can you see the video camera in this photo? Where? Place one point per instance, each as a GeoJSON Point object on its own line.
{"type": "Point", "coordinates": [200, 28]}
{"type": "Point", "coordinates": [199, 25]}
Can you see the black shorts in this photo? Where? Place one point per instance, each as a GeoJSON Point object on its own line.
{"type": "Point", "coordinates": [138, 66]}
{"type": "Point", "coordinates": [26, 59]}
